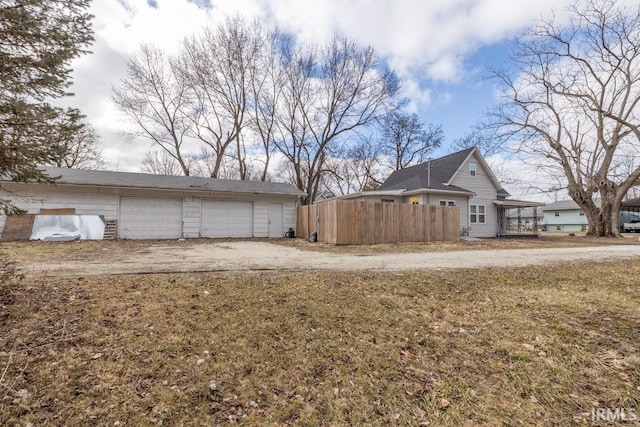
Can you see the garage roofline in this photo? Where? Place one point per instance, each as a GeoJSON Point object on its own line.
{"type": "Point", "coordinates": [133, 180]}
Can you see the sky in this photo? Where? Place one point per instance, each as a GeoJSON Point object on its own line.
{"type": "Point", "coordinates": [441, 49]}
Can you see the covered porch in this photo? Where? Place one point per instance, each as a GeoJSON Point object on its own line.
{"type": "Point", "coordinates": [518, 218]}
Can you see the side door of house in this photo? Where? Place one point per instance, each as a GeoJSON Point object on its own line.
{"type": "Point", "coordinates": [276, 228]}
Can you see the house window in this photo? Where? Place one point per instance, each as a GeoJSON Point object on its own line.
{"type": "Point", "coordinates": [581, 213]}
{"type": "Point", "coordinates": [387, 200]}
{"type": "Point", "coordinates": [447, 203]}
{"type": "Point", "coordinates": [558, 228]}
{"type": "Point", "coordinates": [472, 169]}
{"type": "Point", "coordinates": [557, 213]}
{"type": "Point", "coordinates": [477, 214]}
{"type": "Point", "coordinates": [583, 227]}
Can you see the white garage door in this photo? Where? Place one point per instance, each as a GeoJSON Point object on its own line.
{"type": "Point", "coordinates": [225, 218]}
{"type": "Point", "coordinates": [150, 218]}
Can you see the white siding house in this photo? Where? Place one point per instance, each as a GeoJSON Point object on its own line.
{"type": "Point", "coordinates": [481, 215]}
{"type": "Point", "coordinates": [155, 207]}
{"type": "Point", "coordinates": [564, 215]}
{"type": "Point", "coordinates": [462, 179]}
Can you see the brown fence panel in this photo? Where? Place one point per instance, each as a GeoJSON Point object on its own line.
{"type": "Point", "coordinates": [18, 227]}
{"type": "Point", "coordinates": [357, 222]}
{"type": "Point", "coordinates": [451, 224]}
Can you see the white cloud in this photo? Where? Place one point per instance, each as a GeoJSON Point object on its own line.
{"type": "Point", "coordinates": [421, 40]}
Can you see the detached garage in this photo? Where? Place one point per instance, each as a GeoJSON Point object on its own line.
{"type": "Point", "coordinates": [144, 206]}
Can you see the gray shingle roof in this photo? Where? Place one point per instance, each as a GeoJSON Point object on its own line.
{"type": "Point", "coordinates": [189, 183]}
{"type": "Point", "coordinates": [416, 177]}
{"type": "Point", "coordinates": [561, 205]}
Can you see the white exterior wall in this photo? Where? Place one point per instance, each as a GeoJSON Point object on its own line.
{"type": "Point", "coordinates": [106, 202]}
{"type": "Point", "coordinates": [261, 218]}
{"type": "Point", "coordinates": [191, 217]}
{"type": "Point", "coordinates": [96, 202]}
{"type": "Point", "coordinates": [289, 215]}
{"type": "Point", "coordinates": [486, 193]}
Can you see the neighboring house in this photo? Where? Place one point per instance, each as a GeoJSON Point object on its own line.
{"type": "Point", "coordinates": [524, 219]}
{"type": "Point", "coordinates": [146, 206]}
{"type": "Point", "coordinates": [566, 215]}
{"type": "Point", "coordinates": [461, 179]}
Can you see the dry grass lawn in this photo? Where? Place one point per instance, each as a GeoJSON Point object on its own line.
{"type": "Point", "coordinates": [528, 346]}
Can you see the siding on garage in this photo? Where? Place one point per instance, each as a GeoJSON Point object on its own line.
{"type": "Point", "coordinates": [191, 217]}
{"type": "Point", "coordinates": [289, 216]}
{"type": "Point", "coordinates": [106, 201]}
{"type": "Point", "coordinates": [96, 202]}
{"type": "Point", "coordinates": [261, 218]}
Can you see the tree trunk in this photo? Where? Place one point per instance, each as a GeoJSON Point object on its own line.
{"type": "Point", "coordinates": [603, 221]}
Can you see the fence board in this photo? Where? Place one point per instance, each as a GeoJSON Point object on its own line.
{"type": "Point", "coordinates": [348, 222]}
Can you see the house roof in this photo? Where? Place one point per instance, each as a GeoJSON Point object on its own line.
{"type": "Point", "coordinates": [189, 183]}
{"type": "Point", "coordinates": [631, 203]}
{"type": "Point", "coordinates": [416, 177]}
{"type": "Point", "coordinates": [571, 205]}
{"type": "Point", "coordinates": [436, 174]}
{"type": "Point", "coordinates": [562, 205]}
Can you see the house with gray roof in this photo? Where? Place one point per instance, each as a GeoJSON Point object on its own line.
{"type": "Point", "coordinates": [462, 179]}
{"type": "Point", "coordinates": [566, 215]}
{"type": "Point", "coordinates": [145, 206]}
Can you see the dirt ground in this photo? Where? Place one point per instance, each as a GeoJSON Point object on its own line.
{"type": "Point", "coordinates": [73, 259]}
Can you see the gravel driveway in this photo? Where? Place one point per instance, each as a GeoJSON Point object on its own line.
{"type": "Point", "coordinates": [263, 256]}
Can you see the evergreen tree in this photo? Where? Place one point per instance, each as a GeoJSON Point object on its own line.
{"type": "Point", "coordinates": [38, 40]}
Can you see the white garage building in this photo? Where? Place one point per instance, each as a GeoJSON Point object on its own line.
{"type": "Point", "coordinates": [145, 206]}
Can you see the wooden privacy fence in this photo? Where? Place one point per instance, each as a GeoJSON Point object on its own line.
{"type": "Point", "coordinates": [348, 222]}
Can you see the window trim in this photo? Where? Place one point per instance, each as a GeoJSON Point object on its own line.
{"type": "Point", "coordinates": [475, 214]}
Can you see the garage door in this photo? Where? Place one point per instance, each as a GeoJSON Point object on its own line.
{"type": "Point", "coordinates": [224, 218]}
{"type": "Point", "coordinates": [150, 218]}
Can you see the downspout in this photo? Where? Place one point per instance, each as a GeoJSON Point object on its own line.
{"type": "Point", "coordinates": [429, 173]}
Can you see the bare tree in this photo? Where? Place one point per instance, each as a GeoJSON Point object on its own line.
{"type": "Point", "coordinates": [328, 93]}
{"type": "Point", "coordinates": [159, 162]}
{"type": "Point", "coordinates": [152, 97]}
{"type": "Point", "coordinates": [576, 104]}
{"type": "Point", "coordinates": [266, 79]}
{"type": "Point", "coordinates": [484, 137]}
{"type": "Point", "coordinates": [366, 160]}
{"type": "Point", "coordinates": [75, 142]}
{"type": "Point", "coordinates": [217, 67]}
{"type": "Point", "coordinates": [406, 139]}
